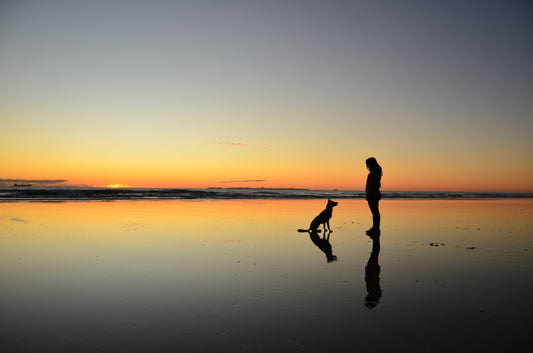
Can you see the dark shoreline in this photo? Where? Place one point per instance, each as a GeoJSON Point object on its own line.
{"type": "Point", "coordinates": [10, 194]}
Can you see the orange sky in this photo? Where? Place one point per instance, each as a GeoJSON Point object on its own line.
{"type": "Point", "coordinates": [199, 96]}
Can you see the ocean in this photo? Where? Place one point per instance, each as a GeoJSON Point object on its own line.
{"type": "Point", "coordinates": [25, 193]}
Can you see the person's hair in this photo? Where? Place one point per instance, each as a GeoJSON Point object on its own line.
{"type": "Point", "coordinates": [373, 165]}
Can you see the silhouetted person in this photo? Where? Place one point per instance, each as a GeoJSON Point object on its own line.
{"type": "Point", "coordinates": [373, 195]}
{"type": "Point", "coordinates": [323, 244]}
{"type": "Point", "coordinates": [372, 271]}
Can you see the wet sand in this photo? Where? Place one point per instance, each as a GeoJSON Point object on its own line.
{"type": "Point", "coordinates": [236, 276]}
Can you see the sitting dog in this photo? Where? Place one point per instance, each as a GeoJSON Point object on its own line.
{"type": "Point", "coordinates": [322, 218]}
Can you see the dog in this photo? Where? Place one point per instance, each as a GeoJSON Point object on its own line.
{"type": "Point", "coordinates": [322, 218]}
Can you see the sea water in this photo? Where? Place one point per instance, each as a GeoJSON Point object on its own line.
{"type": "Point", "coordinates": [25, 193]}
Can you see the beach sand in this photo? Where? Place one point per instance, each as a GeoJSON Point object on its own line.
{"type": "Point", "coordinates": [236, 276]}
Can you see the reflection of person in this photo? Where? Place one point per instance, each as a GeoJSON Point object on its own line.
{"type": "Point", "coordinates": [373, 195]}
{"type": "Point", "coordinates": [372, 271]}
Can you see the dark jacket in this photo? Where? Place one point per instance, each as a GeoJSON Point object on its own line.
{"type": "Point", "coordinates": [373, 183]}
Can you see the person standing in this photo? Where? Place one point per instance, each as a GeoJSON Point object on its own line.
{"type": "Point", "coordinates": [373, 195]}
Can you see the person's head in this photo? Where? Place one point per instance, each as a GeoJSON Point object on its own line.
{"type": "Point", "coordinates": [373, 166]}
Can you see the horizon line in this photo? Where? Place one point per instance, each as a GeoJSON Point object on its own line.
{"type": "Point", "coordinates": [53, 183]}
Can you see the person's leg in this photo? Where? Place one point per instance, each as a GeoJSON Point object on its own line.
{"type": "Point", "coordinates": [376, 217]}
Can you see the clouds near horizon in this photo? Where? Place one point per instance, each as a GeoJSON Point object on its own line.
{"type": "Point", "coordinates": [33, 181]}
{"type": "Point", "coordinates": [231, 144]}
{"type": "Point", "coordinates": [135, 92]}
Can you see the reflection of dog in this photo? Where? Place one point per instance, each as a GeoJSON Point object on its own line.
{"type": "Point", "coordinates": [322, 218]}
{"type": "Point", "coordinates": [323, 244]}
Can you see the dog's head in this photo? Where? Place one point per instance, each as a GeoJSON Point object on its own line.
{"type": "Point", "coordinates": [331, 204]}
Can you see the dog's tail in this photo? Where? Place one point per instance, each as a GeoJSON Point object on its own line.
{"type": "Point", "coordinates": [308, 230]}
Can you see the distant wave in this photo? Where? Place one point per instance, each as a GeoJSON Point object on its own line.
{"type": "Point", "coordinates": [109, 194]}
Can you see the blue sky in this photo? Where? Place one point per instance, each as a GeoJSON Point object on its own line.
{"type": "Point", "coordinates": [411, 82]}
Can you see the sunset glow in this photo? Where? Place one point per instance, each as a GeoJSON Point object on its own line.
{"type": "Point", "coordinates": [116, 186]}
{"type": "Point", "coordinates": [227, 94]}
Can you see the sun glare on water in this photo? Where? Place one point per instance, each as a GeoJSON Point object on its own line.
{"type": "Point", "coordinates": [116, 186]}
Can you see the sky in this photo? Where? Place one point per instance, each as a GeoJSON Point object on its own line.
{"type": "Point", "coordinates": [272, 93]}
